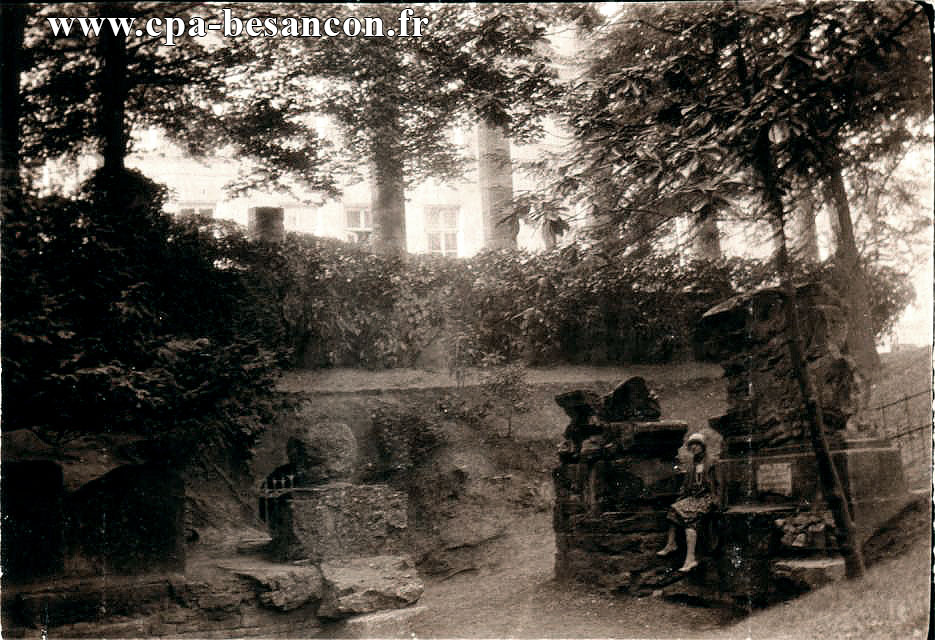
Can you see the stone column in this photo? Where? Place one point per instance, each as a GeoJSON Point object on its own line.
{"type": "Point", "coordinates": [266, 224]}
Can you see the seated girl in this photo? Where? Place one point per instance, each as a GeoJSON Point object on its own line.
{"type": "Point", "coordinates": [700, 496]}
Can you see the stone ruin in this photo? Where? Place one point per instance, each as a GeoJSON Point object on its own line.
{"type": "Point", "coordinates": [354, 534]}
{"type": "Point", "coordinates": [616, 476]}
{"type": "Point", "coordinates": [88, 511]}
{"type": "Point", "coordinates": [777, 526]}
{"type": "Point", "coordinates": [747, 336]}
{"type": "Point", "coordinates": [613, 486]}
{"type": "Point", "coordinates": [96, 548]}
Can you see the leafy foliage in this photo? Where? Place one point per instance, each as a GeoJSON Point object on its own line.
{"type": "Point", "coordinates": [128, 321]}
{"type": "Point", "coordinates": [343, 306]}
{"type": "Point", "coordinates": [397, 100]}
{"type": "Point", "coordinates": [204, 97]}
{"type": "Point", "coordinates": [693, 110]}
{"type": "Point", "coordinates": [679, 101]}
{"type": "Point", "coordinates": [505, 385]}
{"type": "Point", "coordinates": [404, 439]}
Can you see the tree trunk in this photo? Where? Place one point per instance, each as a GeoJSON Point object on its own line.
{"type": "Point", "coordinates": [640, 236]}
{"type": "Point", "coordinates": [831, 484]}
{"type": "Point", "coordinates": [113, 85]}
{"type": "Point", "coordinates": [851, 279]}
{"type": "Point", "coordinates": [804, 231]}
{"type": "Point", "coordinates": [387, 193]}
{"type": "Point", "coordinates": [705, 235]}
{"type": "Point", "coordinates": [12, 26]}
{"type": "Point", "coordinates": [548, 235]}
{"type": "Point", "coordinates": [495, 177]}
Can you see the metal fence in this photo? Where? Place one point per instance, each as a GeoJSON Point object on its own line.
{"type": "Point", "coordinates": [908, 422]}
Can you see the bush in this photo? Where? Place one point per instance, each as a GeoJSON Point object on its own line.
{"type": "Point", "coordinates": [119, 319]}
{"type": "Point", "coordinates": [344, 306]}
{"type": "Point", "coordinates": [404, 440]}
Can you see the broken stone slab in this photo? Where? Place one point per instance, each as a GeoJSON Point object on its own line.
{"type": "Point", "coordinates": [365, 585]}
{"type": "Point", "coordinates": [253, 546]}
{"type": "Point", "coordinates": [591, 448]}
{"type": "Point", "coordinates": [397, 623]}
{"type": "Point", "coordinates": [284, 587]}
{"type": "Point", "coordinates": [631, 400]}
{"type": "Point", "coordinates": [579, 405]}
{"type": "Point", "coordinates": [810, 573]}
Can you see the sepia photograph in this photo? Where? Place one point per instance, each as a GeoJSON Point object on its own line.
{"type": "Point", "coordinates": [466, 320]}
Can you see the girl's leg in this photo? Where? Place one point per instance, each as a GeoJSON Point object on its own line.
{"type": "Point", "coordinates": [670, 543]}
{"type": "Point", "coordinates": [691, 541]}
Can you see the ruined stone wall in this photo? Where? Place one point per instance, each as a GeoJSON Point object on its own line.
{"type": "Point", "coordinates": [613, 486]}
{"type": "Point", "coordinates": [337, 520]}
{"type": "Point", "coordinates": [748, 336]}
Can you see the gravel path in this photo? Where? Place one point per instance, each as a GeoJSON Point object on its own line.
{"type": "Point", "coordinates": [519, 599]}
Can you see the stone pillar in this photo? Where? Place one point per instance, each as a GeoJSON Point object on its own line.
{"type": "Point", "coordinates": [776, 526]}
{"type": "Point", "coordinates": [266, 224]}
{"type": "Point", "coordinates": [495, 177]}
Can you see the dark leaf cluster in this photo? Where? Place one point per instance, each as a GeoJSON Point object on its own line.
{"type": "Point", "coordinates": [119, 319]}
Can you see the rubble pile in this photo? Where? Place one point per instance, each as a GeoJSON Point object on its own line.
{"type": "Point", "coordinates": [809, 531]}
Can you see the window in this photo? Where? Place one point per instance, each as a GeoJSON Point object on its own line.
{"type": "Point", "coordinates": [359, 218]}
{"type": "Point", "coordinates": [201, 208]}
{"type": "Point", "coordinates": [441, 226]}
{"type": "Point", "coordinates": [359, 223]}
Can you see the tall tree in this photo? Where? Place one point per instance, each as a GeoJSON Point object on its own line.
{"type": "Point", "coordinates": [804, 229]}
{"type": "Point", "coordinates": [12, 28]}
{"type": "Point", "coordinates": [706, 236]}
{"type": "Point", "coordinates": [397, 99]}
{"type": "Point", "coordinates": [664, 123]}
{"type": "Point", "coordinates": [495, 178]}
{"type": "Point", "coordinates": [90, 93]}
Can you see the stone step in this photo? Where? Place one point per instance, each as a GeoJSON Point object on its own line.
{"type": "Point", "coordinates": [809, 573]}
{"type": "Point", "coordinates": [367, 585]}
{"type": "Point", "coordinates": [87, 600]}
{"type": "Point", "coordinates": [397, 623]}
{"type": "Point", "coordinates": [254, 546]}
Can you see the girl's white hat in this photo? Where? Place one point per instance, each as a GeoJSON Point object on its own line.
{"type": "Point", "coordinates": [696, 437]}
